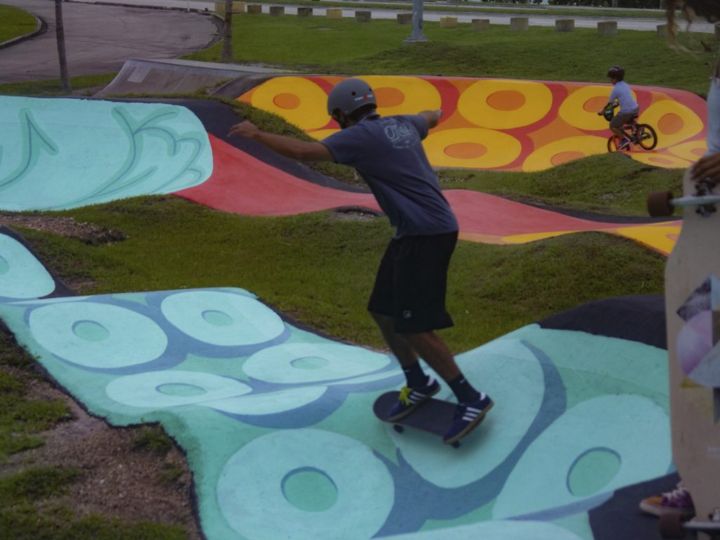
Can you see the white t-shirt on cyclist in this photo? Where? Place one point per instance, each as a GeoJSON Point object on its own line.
{"type": "Point", "coordinates": [621, 91]}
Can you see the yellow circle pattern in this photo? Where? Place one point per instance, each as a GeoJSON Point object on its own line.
{"type": "Point", "coordinates": [501, 148]}
{"type": "Point", "coordinates": [542, 158]}
{"type": "Point", "coordinates": [691, 123]}
{"type": "Point", "coordinates": [417, 94]}
{"type": "Point", "coordinates": [493, 106]}
{"type": "Point", "coordinates": [311, 110]}
{"type": "Point", "coordinates": [573, 110]}
{"type": "Point", "coordinates": [475, 107]}
{"type": "Point", "coordinates": [692, 151]}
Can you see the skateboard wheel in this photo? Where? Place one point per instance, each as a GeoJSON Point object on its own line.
{"type": "Point", "coordinates": [658, 203]}
{"type": "Point", "coordinates": [456, 444]}
{"type": "Point", "coordinates": [671, 526]}
{"type": "Point", "coordinates": [398, 428]}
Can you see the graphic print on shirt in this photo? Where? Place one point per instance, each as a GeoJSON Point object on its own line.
{"type": "Point", "coordinates": [401, 136]}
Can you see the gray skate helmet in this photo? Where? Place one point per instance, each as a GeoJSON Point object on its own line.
{"type": "Point", "coordinates": [349, 95]}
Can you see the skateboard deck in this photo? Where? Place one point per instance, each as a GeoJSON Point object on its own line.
{"type": "Point", "coordinates": [433, 416]}
{"type": "Point", "coordinates": [692, 303]}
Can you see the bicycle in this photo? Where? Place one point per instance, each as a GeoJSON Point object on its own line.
{"type": "Point", "coordinates": [642, 135]}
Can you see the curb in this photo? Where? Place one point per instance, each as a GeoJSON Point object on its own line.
{"type": "Point", "coordinates": [40, 28]}
{"type": "Point", "coordinates": [204, 11]}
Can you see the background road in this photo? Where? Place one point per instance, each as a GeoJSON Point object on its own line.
{"type": "Point", "coordinates": [99, 38]}
{"type": "Point", "coordinates": [503, 15]}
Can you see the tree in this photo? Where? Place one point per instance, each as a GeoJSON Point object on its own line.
{"type": "Point", "coordinates": [227, 34]}
{"type": "Point", "coordinates": [60, 34]}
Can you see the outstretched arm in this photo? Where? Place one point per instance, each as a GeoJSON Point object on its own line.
{"type": "Point", "coordinates": [432, 117]}
{"type": "Point", "coordinates": [287, 146]}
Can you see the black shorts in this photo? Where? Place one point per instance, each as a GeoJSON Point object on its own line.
{"type": "Point", "coordinates": [411, 282]}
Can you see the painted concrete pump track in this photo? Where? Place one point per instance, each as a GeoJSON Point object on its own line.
{"type": "Point", "coordinates": [144, 148]}
{"type": "Point", "coordinates": [276, 420]}
{"type": "Point", "coordinates": [277, 424]}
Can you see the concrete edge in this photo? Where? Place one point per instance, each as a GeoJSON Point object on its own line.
{"type": "Point", "coordinates": [40, 28]}
{"type": "Point", "coordinates": [120, 3]}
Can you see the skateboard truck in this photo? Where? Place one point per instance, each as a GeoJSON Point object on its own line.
{"type": "Point", "coordinates": [662, 203]}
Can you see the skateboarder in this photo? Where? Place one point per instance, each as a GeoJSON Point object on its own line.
{"type": "Point", "coordinates": [629, 108]}
{"type": "Point", "coordinates": [408, 298]}
{"type": "Point", "coordinates": [679, 500]}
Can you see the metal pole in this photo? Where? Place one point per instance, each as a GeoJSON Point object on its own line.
{"type": "Point", "coordinates": [417, 23]}
{"type": "Point", "coordinates": [60, 37]}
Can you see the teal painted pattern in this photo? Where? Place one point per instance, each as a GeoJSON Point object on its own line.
{"type": "Point", "coordinates": [278, 427]}
{"type": "Point", "coordinates": [66, 153]}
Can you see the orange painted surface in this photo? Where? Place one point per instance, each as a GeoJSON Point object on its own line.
{"type": "Point", "coordinates": [502, 124]}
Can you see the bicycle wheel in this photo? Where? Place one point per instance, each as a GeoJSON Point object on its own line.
{"type": "Point", "coordinates": [646, 136]}
{"type": "Point", "coordinates": [612, 144]}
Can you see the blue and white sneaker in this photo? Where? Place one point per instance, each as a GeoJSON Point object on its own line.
{"type": "Point", "coordinates": [410, 398]}
{"type": "Point", "coordinates": [467, 417]}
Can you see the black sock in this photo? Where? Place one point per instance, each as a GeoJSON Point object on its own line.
{"type": "Point", "coordinates": [463, 390]}
{"type": "Point", "coordinates": [415, 376]}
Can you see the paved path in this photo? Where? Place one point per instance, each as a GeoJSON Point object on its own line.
{"type": "Point", "coordinates": [99, 38]}
{"type": "Point", "coordinates": [650, 23]}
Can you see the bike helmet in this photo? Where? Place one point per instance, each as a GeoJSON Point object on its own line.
{"type": "Point", "coordinates": [616, 72]}
{"type": "Point", "coordinates": [349, 95]}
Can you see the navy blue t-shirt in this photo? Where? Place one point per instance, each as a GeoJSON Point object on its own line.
{"type": "Point", "coordinates": [387, 152]}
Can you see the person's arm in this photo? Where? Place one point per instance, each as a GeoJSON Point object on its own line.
{"type": "Point", "coordinates": [707, 167]}
{"type": "Point", "coordinates": [287, 146]}
{"type": "Point", "coordinates": [431, 117]}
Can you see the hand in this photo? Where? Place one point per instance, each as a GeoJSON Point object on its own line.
{"type": "Point", "coordinates": [244, 129]}
{"type": "Point", "coordinates": [707, 167]}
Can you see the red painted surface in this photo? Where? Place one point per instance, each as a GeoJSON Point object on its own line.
{"type": "Point", "coordinates": [494, 216]}
{"type": "Point", "coordinates": [243, 184]}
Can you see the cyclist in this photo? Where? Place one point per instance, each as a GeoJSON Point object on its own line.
{"type": "Point", "coordinates": [629, 109]}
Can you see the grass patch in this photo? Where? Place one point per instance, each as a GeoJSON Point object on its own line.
{"type": "Point", "coordinates": [35, 484]}
{"type": "Point", "coordinates": [611, 184]}
{"type": "Point", "coordinates": [85, 84]}
{"type": "Point", "coordinates": [153, 439]}
{"type": "Point", "coordinates": [15, 22]}
{"type": "Point", "coordinates": [55, 522]}
{"type": "Point", "coordinates": [22, 417]}
{"type": "Point", "coordinates": [491, 7]}
{"type": "Point", "coordinates": [319, 269]}
{"type": "Point", "coordinates": [343, 46]}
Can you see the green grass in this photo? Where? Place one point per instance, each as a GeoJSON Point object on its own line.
{"type": "Point", "coordinates": [22, 417]}
{"type": "Point", "coordinates": [15, 22]}
{"type": "Point", "coordinates": [344, 46]}
{"type": "Point", "coordinates": [23, 521]}
{"type": "Point", "coordinates": [53, 87]}
{"type": "Point", "coordinates": [488, 7]}
{"type": "Point", "coordinates": [36, 483]}
{"type": "Point", "coordinates": [610, 184]}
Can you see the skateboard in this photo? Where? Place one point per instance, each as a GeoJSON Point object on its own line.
{"type": "Point", "coordinates": [692, 304]}
{"type": "Point", "coordinates": [433, 416]}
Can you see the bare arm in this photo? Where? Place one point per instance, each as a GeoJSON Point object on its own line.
{"type": "Point", "coordinates": [287, 146]}
{"type": "Point", "coordinates": [432, 117]}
